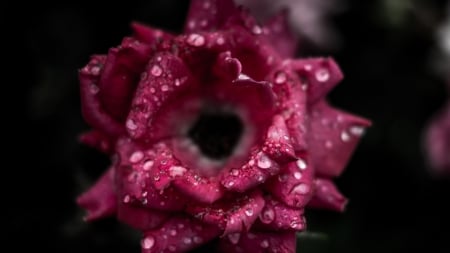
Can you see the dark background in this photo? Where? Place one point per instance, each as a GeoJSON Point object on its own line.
{"type": "Point", "coordinates": [396, 203]}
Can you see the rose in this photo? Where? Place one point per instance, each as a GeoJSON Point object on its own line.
{"type": "Point", "coordinates": [216, 133]}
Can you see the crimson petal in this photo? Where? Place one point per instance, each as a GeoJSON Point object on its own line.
{"type": "Point", "coordinates": [327, 196]}
{"type": "Point", "coordinates": [148, 34]}
{"type": "Point", "coordinates": [333, 137]}
{"type": "Point", "coordinates": [260, 242]}
{"type": "Point", "coordinates": [178, 234]}
{"type": "Point", "coordinates": [101, 200]}
{"type": "Point", "coordinates": [278, 216]}
{"type": "Point", "coordinates": [98, 140]}
{"type": "Point", "coordinates": [140, 218]}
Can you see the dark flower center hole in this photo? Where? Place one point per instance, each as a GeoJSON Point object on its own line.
{"type": "Point", "coordinates": [216, 134]}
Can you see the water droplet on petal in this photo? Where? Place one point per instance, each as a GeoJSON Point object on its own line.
{"type": "Point", "coordinates": [357, 130]}
{"type": "Point", "coordinates": [301, 164]}
{"type": "Point", "coordinates": [173, 232]}
{"type": "Point", "coordinates": [147, 165]}
{"type": "Point", "coordinates": [256, 29]}
{"type": "Point", "coordinates": [177, 171]}
{"type": "Point", "coordinates": [301, 189]}
{"type": "Point", "coordinates": [165, 87]}
{"type": "Point", "coordinates": [94, 89]}
{"type": "Point", "coordinates": [267, 215]}
{"type": "Point", "coordinates": [234, 172]}
{"type": "Point", "coordinates": [234, 238]}
{"type": "Point", "coordinates": [295, 224]}
{"type": "Point", "coordinates": [249, 212]}
{"type": "Point", "coordinates": [136, 156]}
{"type": "Point", "coordinates": [298, 175]}
{"type": "Point", "coordinates": [156, 70]}
{"type": "Point", "coordinates": [264, 244]}
{"type": "Point", "coordinates": [148, 242]}
{"type": "Point", "coordinates": [131, 124]}
{"type": "Point", "coordinates": [187, 240]}
{"type": "Point", "coordinates": [322, 75]}
{"type": "Point", "coordinates": [263, 161]}
{"type": "Point", "coordinates": [196, 40]}
{"type": "Point", "coordinates": [280, 77]}
{"type": "Point", "coordinates": [126, 199]}
{"type": "Point", "coordinates": [345, 137]}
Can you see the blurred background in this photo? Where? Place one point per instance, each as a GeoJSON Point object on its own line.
{"type": "Point", "coordinates": [388, 50]}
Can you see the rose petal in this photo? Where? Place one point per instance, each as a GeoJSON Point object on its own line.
{"type": "Point", "coordinates": [122, 70]}
{"type": "Point", "coordinates": [201, 189]}
{"type": "Point", "coordinates": [100, 200]}
{"type": "Point", "coordinates": [278, 216]}
{"type": "Point", "coordinates": [140, 218]}
{"type": "Point", "coordinates": [164, 78]}
{"type": "Point", "coordinates": [98, 140]}
{"type": "Point", "coordinates": [280, 36]}
{"type": "Point", "coordinates": [178, 234]}
{"type": "Point", "coordinates": [234, 213]}
{"type": "Point", "coordinates": [227, 67]}
{"type": "Point", "coordinates": [208, 15]}
{"type": "Point", "coordinates": [148, 34]}
{"type": "Point", "coordinates": [327, 196]}
{"type": "Point", "coordinates": [91, 106]}
{"type": "Point", "coordinates": [260, 242]}
{"type": "Point", "coordinates": [333, 137]}
{"type": "Point", "coordinates": [438, 141]}
{"type": "Point", "coordinates": [294, 184]}
{"type": "Point", "coordinates": [278, 143]}
{"type": "Point", "coordinates": [318, 75]}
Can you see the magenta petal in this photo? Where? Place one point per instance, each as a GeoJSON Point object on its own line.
{"type": "Point", "coordinates": [254, 172]}
{"type": "Point", "coordinates": [178, 235]}
{"type": "Point", "coordinates": [294, 184]}
{"type": "Point", "coordinates": [260, 242]}
{"type": "Point", "coordinates": [203, 190]}
{"type": "Point", "coordinates": [122, 70]}
{"type": "Point", "coordinates": [207, 15]}
{"type": "Point", "coordinates": [438, 141]}
{"type": "Point", "coordinates": [278, 216]}
{"type": "Point", "coordinates": [164, 78]}
{"type": "Point", "coordinates": [227, 67]}
{"type": "Point", "coordinates": [234, 213]}
{"type": "Point", "coordinates": [140, 218]}
{"type": "Point", "coordinates": [280, 36]}
{"type": "Point", "coordinates": [98, 140]}
{"type": "Point", "coordinates": [278, 143]}
{"type": "Point", "coordinates": [333, 136]}
{"type": "Point", "coordinates": [319, 76]}
{"type": "Point", "coordinates": [148, 34]}
{"type": "Point", "coordinates": [327, 196]}
{"type": "Point", "coordinates": [101, 199]}
{"type": "Point", "coordinates": [91, 106]}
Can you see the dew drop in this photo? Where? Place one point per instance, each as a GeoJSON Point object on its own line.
{"type": "Point", "coordinates": [295, 224]}
{"type": "Point", "coordinates": [187, 240]}
{"type": "Point", "coordinates": [177, 82]}
{"type": "Point", "coordinates": [301, 189]}
{"type": "Point", "coordinates": [264, 244]}
{"type": "Point", "coordinates": [328, 144]}
{"type": "Point", "coordinates": [345, 137]}
{"type": "Point", "coordinates": [220, 41]}
{"type": "Point", "coordinates": [131, 124]}
{"type": "Point", "coordinates": [308, 67]}
{"type": "Point", "coordinates": [298, 175]}
{"type": "Point", "coordinates": [165, 87]}
{"type": "Point", "coordinates": [173, 232]}
{"type": "Point", "coordinates": [263, 161]}
{"type": "Point", "coordinates": [156, 70]}
{"type": "Point", "coordinates": [280, 77]}
{"type": "Point", "coordinates": [177, 171]}
{"type": "Point", "coordinates": [357, 130]}
{"type": "Point", "coordinates": [267, 215]}
{"type": "Point", "coordinates": [126, 199]}
{"type": "Point", "coordinates": [94, 89]}
{"type": "Point", "coordinates": [322, 75]}
{"type": "Point", "coordinates": [301, 164]}
{"type": "Point", "coordinates": [148, 242]}
{"type": "Point", "coordinates": [147, 165]}
{"type": "Point", "coordinates": [95, 70]}
{"type": "Point", "coordinates": [249, 212]}
{"type": "Point", "coordinates": [196, 40]}
{"type": "Point", "coordinates": [136, 156]}
{"type": "Point", "coordinates": [234, 172]}
{"type": "Point", "coordinates": [256, 29]}
{"type": "Point", "coordinates": [234, 238]}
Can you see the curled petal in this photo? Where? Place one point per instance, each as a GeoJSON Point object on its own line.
{"type": "Point", "coordinates": [333, 137]}
{"type": "Point", "coordinates": [318, 76]}
{"type": "Point", "coordinates": [278, 143]}
{"type": "Point", "coordinates": [208, 15]}
{"type": "Point", "coordinates": [260, 242]}
{"type": "Point", "coordinates": [98, 140]}
{"type": "Point", "coordinates": [280, 36]}
{"type": "Point", "coordinates": [101, 200]}
{"type": "Point", "coordinates": [121, 72]}
{"type": "Point", "coordinates": [140, 218]}
{"type": "Point", "coordinates": [148, 34]}
{"type": "Point", "coordinates": [227, 67]}
{"type": "Point", "coordinates": [178, 234]}
{"type": "Point", "coordinates": [91, 106]}
{"type": "Point", "coordinates": [233, 214]}
{"type": "Point", "coordinates": [163, 79]}
{"type": "Point", "coordinates": [327, 196]}
{"type": "Point", "coordinates": [294, 184]}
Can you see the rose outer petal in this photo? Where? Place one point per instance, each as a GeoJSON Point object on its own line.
{"type": "Point", "coordinates": [100, 200]}
{"type": "Point", "coordinates": [333, 137]}
{"type": "Point", "coordinates": [278, 216]}
{"type": "Point", "coordinates": [98, 140]}
{"type": "Point", "coordinates": [279, 35]}
{"type": "Point", "coordinates": [148, 34]}
{"type": "Point", "coordinates": [179, 234]}
{"type": "Point", "coordinates": [438, 141]}
{"type": "Point", "coordinates": [207, 15]}
{"type": "Point", "coordinates": [141, 218]}
{"type": "Point", "coordinates": [260, 242]}
{"type": "Point", "coordinates": [327, 196]}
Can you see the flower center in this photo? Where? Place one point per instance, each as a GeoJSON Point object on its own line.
{"type": "Point", "coordinates": [216, 133]}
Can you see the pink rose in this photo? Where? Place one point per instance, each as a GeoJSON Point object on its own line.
{"type": "Point", "coordinates": [216, 133]}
